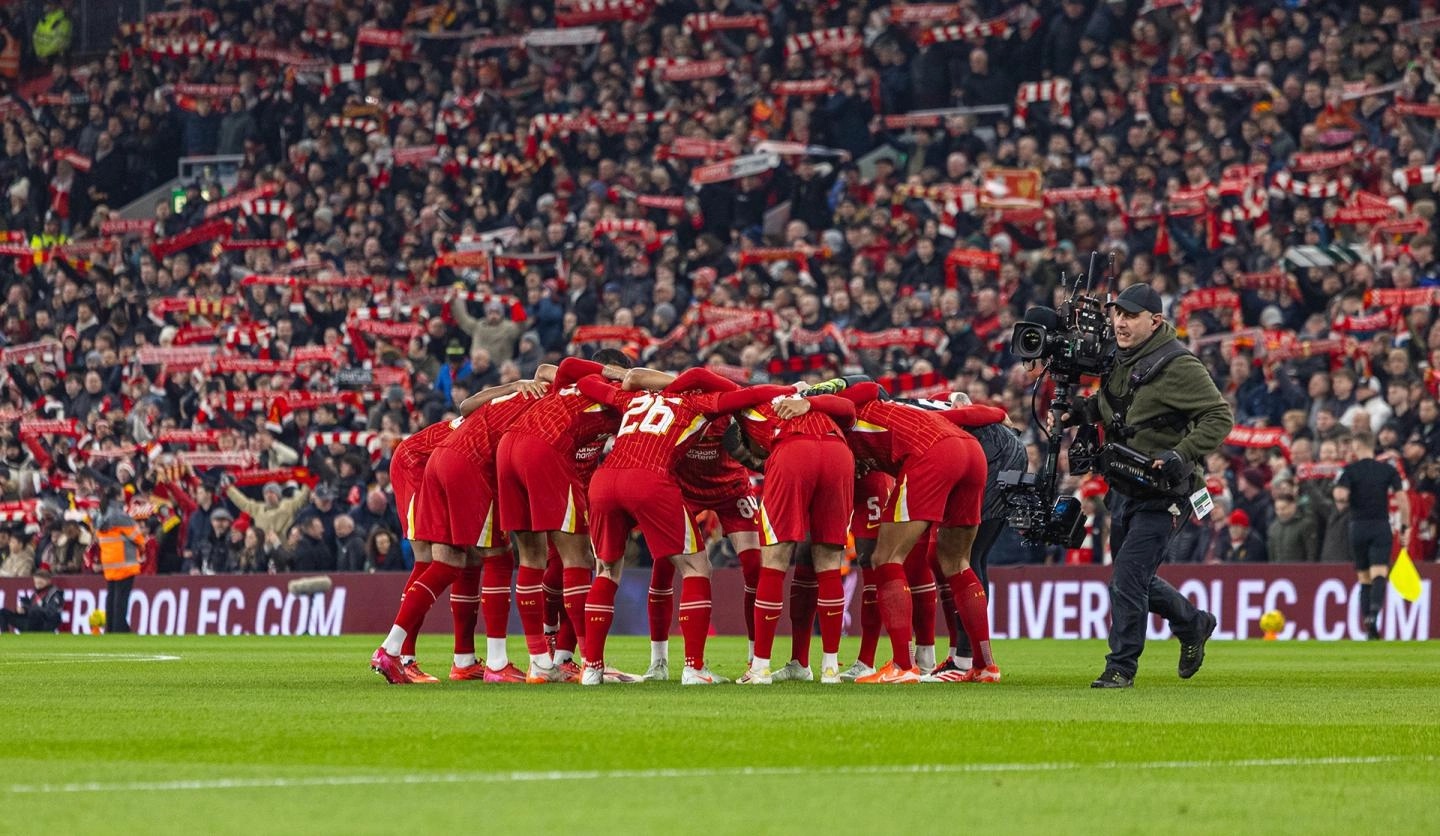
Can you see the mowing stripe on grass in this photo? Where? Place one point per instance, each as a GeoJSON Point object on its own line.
{"type": "Point", "coordinates": [722, 772]}
{"type": "Point", "coordinates": [86, 658]}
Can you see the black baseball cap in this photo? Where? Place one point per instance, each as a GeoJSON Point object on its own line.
{"type": "Point", "coordinates": [1139, 297]}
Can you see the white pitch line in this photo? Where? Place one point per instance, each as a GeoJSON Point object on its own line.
{"type": "Point", "coordinates": [721, 772]}
{"type": "Point", "coordinates": [82, 658]}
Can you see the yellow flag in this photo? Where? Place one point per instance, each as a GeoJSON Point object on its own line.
{"type": "Point", "coordinates": [1403, 577]}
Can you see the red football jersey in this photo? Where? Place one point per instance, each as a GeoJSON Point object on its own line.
{"type": "Point", "coordinates": [656, 428]}
{"type": "Point", "coordinates": [478, 435]}
{"type": "Point", "coordinates": [767, 429]}
{"type": "Point", "coordinates": [587, 459]}
{"type": "Point", "coordinates": [887, 433]}
{"type": "Point", "coordinates": [565, 418]}
{"type": "Point", "coordinates": [413, 452]}
{"type": "Point", "coordinates": [707, 473]}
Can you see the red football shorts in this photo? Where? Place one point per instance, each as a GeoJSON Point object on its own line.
{"type": "Point", "coordinates": [538, 488]}
{"type": "Point", "coordinates": [737, 513]}
{"type": "Point", "coordinates": [872, 491]}
{"type": "Point", "coordinates": [623, 498]}
{"type": "Point", "coordinates": [944, 485]}
{"type": "Point", "coordinates": [456, 503]}
{"type": "Point", "coordinates": [405, 480]}
{"type": "Point", "coordinates": [808, 488]}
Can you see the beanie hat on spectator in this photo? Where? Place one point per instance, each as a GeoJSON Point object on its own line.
{"type": "Point", "coordinates": [271, 487]}
{"type": "Point", "coordinates": [1239, 517]}
{"type": "Point", "coordinates": [1254, 476]}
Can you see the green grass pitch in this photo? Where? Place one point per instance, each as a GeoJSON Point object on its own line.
{"type": "Point", "coordinates": [263, 735]}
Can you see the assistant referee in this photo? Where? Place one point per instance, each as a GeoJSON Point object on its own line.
{"type": "Point", "coordinates": [1368, 484]}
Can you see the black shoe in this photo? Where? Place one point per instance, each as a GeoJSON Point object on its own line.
{"type": "Point", "coordinates": [1372, 629]}
{"type": "Point", "coordinates": [1113, 679]}
{"type": "Point", "coordinates": [1192, 654]}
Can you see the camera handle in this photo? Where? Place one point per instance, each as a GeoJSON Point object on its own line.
{"type": "Point", "coordinates": [1048, 479]}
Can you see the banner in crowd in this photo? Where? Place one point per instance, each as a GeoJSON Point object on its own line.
{"type": "Point", "coordinates": [1319, 602]}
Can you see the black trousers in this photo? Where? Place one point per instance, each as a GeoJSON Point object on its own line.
{"type": "Point", "coordinates": [1139, 533]}
{"type": "Point", "coordinates": [30, 621]}
{"type": "Point", "coordinates": [117, 605]}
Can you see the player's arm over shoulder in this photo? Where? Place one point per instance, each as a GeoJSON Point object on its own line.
{"type": "Point", "coordinates": [602, 391]}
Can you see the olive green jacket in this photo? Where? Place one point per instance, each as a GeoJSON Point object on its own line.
{"type": "Point", "coordinates": [1183, 386]}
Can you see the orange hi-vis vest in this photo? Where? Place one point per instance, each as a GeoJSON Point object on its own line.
{"type": "Point", "coordinates": [120, 551]}
{"type": "Point", "coordinates": [10, 57]}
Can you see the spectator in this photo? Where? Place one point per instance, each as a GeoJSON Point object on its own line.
{"type": "Point", "coordinates": [1254, 500]}
{"type": "Point", "coordinates": [1294, 536]}
{"type": "Point", "coordinates": [19, 559]}
{"type": "Point", "coordinates": [213, 555]}
{"type": "Point", "coordinates": [350, 546]}
{"type": "Point", "coordinates": [378, 511]}
{"type": "Point", "coordinates": [323, 504]}
{"type": "Point", "coordinates": [306, 550]}
{"type": "Point", "coordinates": [274, 515]}
{"type": "Point", "coordinates": [382, 552]}
{"type": "Point", "coordinates": [497, 333]}
{"type": "Point", "coordinates": [1245, 544]}
{"type": "Point", "coordinates": [197, 530]}
{"type": "Point", "coordinates": [66, 554]}
{"type": "Point", "coordinates": [254, 554]}
{"type": "Point", "coordinates": [1336, 546]}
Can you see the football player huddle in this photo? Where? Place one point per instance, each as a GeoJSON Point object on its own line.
{"type": "Point", "coordinates": [527, 463]}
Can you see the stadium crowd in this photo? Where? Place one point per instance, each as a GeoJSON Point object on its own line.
{"type": "Point", "coordinates": [431, 200]}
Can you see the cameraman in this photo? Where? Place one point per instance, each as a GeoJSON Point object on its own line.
{"type": "Point", "coordinates": [1160, 401]}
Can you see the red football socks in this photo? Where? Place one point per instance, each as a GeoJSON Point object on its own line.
{"type": "Point", "coordinates": [530, 603]}
{"type": "Point", "coordinates": [923, 597]}
{"type": "Point", "coordinates": [660, 601]}
{"type": "Point", "coordinates": [422, 594]}
{"type": "Point", "coordinates": [971, 602]}
{"type": "Point", "coordinates": [952, 618]}
{"type": "Point", "coordinates": [695, 619]}
{"type": "Point", "coordinates": [869, 618]}
{"type": "Point", "coordinates": [407, 648]}
{"type": "Point", "coordinates": [831, 607]}
{"type": "Point", "coordinates": [465, 608]}
{"type": "Point", "coordinates": [551, 583]}
{"type": "Point", "coordinates": [803, 593]}
{"type": "Point", "coordinates": [893, 597]}
{"type": "Point", "coordinates": [576, 586]}
{"type": "Point", "coordinates": [599, 615]}
{"type": "Point", "coordinates": [769, 588]}
{"type": "Point", "coordinates": [495, 594]}
{"type": "Point", "coordinates": [750, 571]}
{"type": "Point", "coordinates": [566, 639]}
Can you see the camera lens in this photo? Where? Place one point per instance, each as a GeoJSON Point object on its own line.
{"type": "Point", "coordinates": [1028, 340]}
